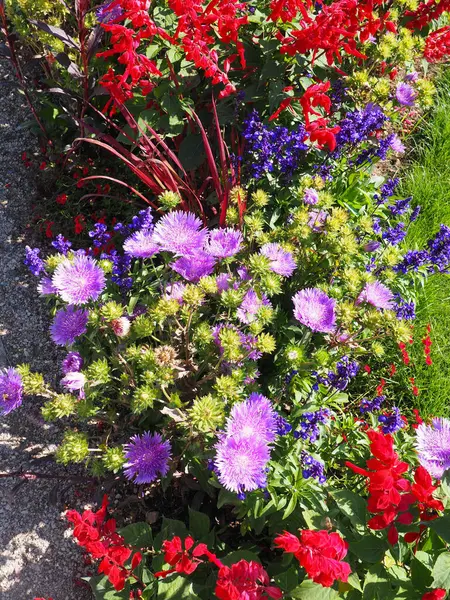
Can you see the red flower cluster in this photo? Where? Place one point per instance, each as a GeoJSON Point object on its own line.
{"type": "Point", "coordinates": [183, 557]}
{"type": "Point", "coordinates": [414, 388]}
{"type": "Point", "coordinates": [61, 199]}
{"type": "Point", "coordinates": [287, 10]}
{"type": "Point", "coordinates": [381, 386]}
{"type": "Point", "coordinates": [438, 594]}
{"type": "Point", "coordinates": [427, 12]}
{"type": "Point", "coordinates": [320, 553]}
{"type": "Point", "coordinates": [422, 492]}
{"type": "Point", "coordinates": [404, 351]}
{"type": "Point", "coordinates": [246, 580]}
{"type": "Point", "coordinates": [100, 539]}
{"type": "Point", "coordinates": [417, 418]}
{"type": "Point", "coordinates": [437, 45]}
{"type": "Point", "coordinates": [426, 341]}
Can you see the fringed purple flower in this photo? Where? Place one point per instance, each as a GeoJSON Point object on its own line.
{"type": "Point", "coordinates": [68, 324]}
{"type": "Point", "coordinates": [433, 446]}
{"type": "Point", "coordinates": [147, 457]}
{"type": "Point", "coordinates": [175, 291]}
{"type": "Point", "coordinates": [317, 219]}
{"type": "Point", "coordinates": [72, 363]}
{"type": "Point", "coordinates": [180, 232]}
{"type": "Point", "coordinates": [223, 243]}
{"type": "Point", "coordinates": [11, 390]}
{"type": "Point", "coordinates": [315, 309]}
{"type": "Point", "coordinates": [223, 282]}
{"type": "Point", "coordinates": [281, 261]}
{"type": "Point", "coordinates": [253, 418]}
{"type": "Point", "coordinates": [194, 266]}
{"type": "Point", "coordinates": [248, 310]}
{"type": "Point", "coordinates": [241, 463]}
{"type": "Point", "coordinates": [80, 280]}
{"type": "Point", "coordinates": [310, 196]}
{"type": "Point", "coordinates": [397, 145]}
{"type": "Point", "coordinates": [377, 294]}
{"type": "Point", "coordinates": [141, 244]}
{"type": "Point", "coordinates": [45, 286]}
{"type": "Point", "coordinates": [74, 381]}
{"type": "Point", "coordinates": [405, 94]}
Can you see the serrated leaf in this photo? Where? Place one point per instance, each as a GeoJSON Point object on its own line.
{"type": "Point", "coordinates": [309, 590]}
{"type": "Point", "coordinates": [199, 524]}
{"type": "Point", "coordinates": [441, 572]}
{"type": "Point", "coordinates": [351, 505]}
{"type": "Point", "coordinates": [138, 534]}
{"type": "Point", "coordinates": [370, 548]}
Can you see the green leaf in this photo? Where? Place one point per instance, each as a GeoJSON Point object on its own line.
{"type": "Point", "coordinates": [370, 548]}
{"type": "Point", "coordinates": [138, 534]}
{"type": "Point", "coordinates": [234, 557]}
{"type": "Point", "coordinates": [199, 524]}
{"type": "Point", "coordinates": [191, 152]}
{"type": "Point", "coordinates": [226, 497]}
{"type": "Point", "coordinates": [287, 580]}
{"type": "Point", "coordinates": [103, 590]}
{"type": "Point", "coordinates": [353, 580]}
{"type": "Point", "coordinates": [175, 588]}
{"type": "Point", "coordinates": [441, 571]}
{"type": "Point", "coordinates": [376, 584]}
{"type": "Point", "coordinates": [290, 507]}
{"type": "Point", "coordinates": [445, 483]}
{"type": "Point", "coordinates": [351, 505]}
{"type": "Point", "coordinates": [309, 590]}
{"type": "Point", "coordinates": [421, 567]}
{"type": "Point", "coordinates": [441, 526]}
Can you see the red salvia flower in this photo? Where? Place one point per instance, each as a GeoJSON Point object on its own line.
{"type": "Point", "coordinates": [438, 594]}
{"type": "Point", "coordinates": [61, 199]}
{"type": "Point", "coordinates": [287, 10]}
{"type": "Point", "coordinates": [246, 580]}
{"type": "Point", "coordinates": [320, 553]}
{"type": "Point", "coordinates": [184, 557]}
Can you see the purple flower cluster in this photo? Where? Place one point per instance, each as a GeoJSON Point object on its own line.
{"type": "Point", "coordinates": [313, 468]}
{"type": "Point", "coordinates": [11, 390]}
{"type": "Point", "coordinates": [395, 235]}
{"type": "Point", "coordinates": [436, 257]}
{"type": "Point", "coordinates": [180, 232]}
{"type": "Point", "coordinates": [391, 422]}
{"type": "Point", "coordinates": [248, 342]}
{"type": "Point", "coordinates": [72, 362]}
{"type": "Point", "coordinates": [99, 235]}
{"type": "Point", "coordinates": [387, 190]}
{"type": "Point", "coordinates": [283, 427]}
{"type": "Point", "coordinates": [403, 309]}
{"type": "Point", "coordinates": [309, 429]}
{"type": "Point", "coordinates": [346, 370]}
{"type": "Point", "coordinates": [433, 446]}
{"type": "Point", "coordinates": [243, 449]}
{"type": "Point", "coordinates": [357, 126]}
{"type": "Point", "coordinates": [251, 303]}
{"type": "Point", "coordinates": [281, 261]}
{"type": "Point", "coordinates": [80, 280]}
{"type": "Point", "coordinates": [193, 267]}
{"type": "Point", "coordinates": [147, 457]}
{"type": "Point", "coordinates": [120, 269]}
{"type": "Point", "coordinates": [405, 94]}
{"type": "Point", "coordinates": [143, 220]}
{"type": "Point", "coordinates": [61, 244]}
{"type": "Point", "coordinates": [400, 207]}
{"type": "Point", "coordinates": [33, 261]}
{"type": "Point", "coordinates": [368, 406]}
{"type": "Point", "coordinates": [272, 149]}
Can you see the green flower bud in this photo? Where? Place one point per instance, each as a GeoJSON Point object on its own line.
{"type": "Point", "coordinates": [271, 283]}
{"type": "Point", "coordinates": [322, 357]}
{"type": "Point", "coordinates": [294, 355]}
{"type": "Point", "coordinates": [113, 459]}
{"type": "Point", "coordinates": [51, 262]}
{"type": "Point", "coordinates": [165, 308]}
{"type": "Point", "coordinates": [33, 383]}
{"type": "Point", "coordinates": [238, 195]}
{"type": "Point", "coordinates": [143, 326]}
{"type": "Point", "coordinates": [61, 406]}
{"type": "Point", "coordinates": [378, 349]}
{"type": "Point", "coordinates": [207, 414]}
{"type": "Point", "coordinates": [231, 298]}
{"type": "Point", "coordinates": [259, 264]}
{"type": "Point", "coordinates": [402, 331]}
{"type": "Point", "coordinates": [208, 285]}
{"type": "Point", "coordinates": [232, 215]}
{"type": "Point", "coordinates": [111, 310]}
{"type": "Point", "coordinates": [231, 343]}
{"type": "Point", "coordinates": [260, 198]}
{"type": "Point", "coordinates": [106, 265]}
{"type": "Point", "coordinates": [74, 448]}
{"type": "Point", "coordinates": [98, 372]}
{"type": "Point", "coordinates": [227, 387]}
{"type": "Point", "coordinates": [143, 399]}
{"type": "Point", "coordinates": [193, 295]}
{"type": "Point", "coordinates": [169, 200]}
{"type": "Point", "coordinates": [202, 334]}
{"type": "Point", "coordinates": [97, 468]}
{"type": "Point", "coordinates": [266, 343]}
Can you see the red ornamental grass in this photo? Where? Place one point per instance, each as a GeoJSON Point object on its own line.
{"type": "Point", "coordinates": [320, 553]}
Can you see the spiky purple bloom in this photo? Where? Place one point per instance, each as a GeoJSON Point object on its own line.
{"type": "Point", "coordinates": [223, 243]}
{"type": "Point", "coordinates": [368, 406]}
{"type": "Point", "coordinates": [180, 232]}
{"type": "Point", "coordinates": [317, 219]}
{"type": "Point", "coordinates": [74, 381]}
{"type": "Point", "coordinates": [72, 362]}
{"type": "Point", "coordinates": [315, 309]}
{"type": "Point", "coordinates": [397, 145]}
{"type": "Point", "coordinates": [147, 457]}
{"type": "Point", "coordinates": [240, 463]}
{"type": "Point", "coordinates": [141, 244]}
{"type": "Point", "coordinates": [80, 280]}
{"type": "Point", "coordinates": [405, 94]}
{"type": "Point", "coordinates": [433, 446]}
{"type": "Point", "coordinates": [253, 418]}
{"type": "Point", "coordinates": [175, 291]}
{"type": "Point", "coordinates": [281, 261]}
{"type": "Point", "coordinates": [194, 266]}
{"type": "Point", "coordinates": [68, 324]}
{"type": "Point", "coordinates": [313, 468]}
{"type": "Point", "coordinates": [61, 244]}
{"type": "Point", "coordinates": [310, 196]}
{"type": "Point", "coordinates": [251, 303]}
{"type": "Point", "coordinates": [223, 282]}
{"type": "Point", "coordinates": [11, 390]}
{"type": "Point", "coordinates": [391, 422]}
{"type": "Point", "coordinates": [33, 261]}
{"type": "Point", "coordinates": [46, 287]}
{"type": "Point", "coordinates": [377, 295]}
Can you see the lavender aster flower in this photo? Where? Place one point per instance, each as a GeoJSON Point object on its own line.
{"type": "Point", "coordinates": [317, 219]}
{"type": "Point", "coordinates": [413, 76]}
{"type": "Point", "coordinates": [376, 294]}
{"type": "Point", "coordinates": [147, 456]}
{"type": "Point", "coordinates": [175, 291]}
{"type": "Point", "coordinates": [141, 244]}
{"type": "Point", "coordinates": [310, 196]}
{"type": "Point", "coordinates": [253, 418]}
{"type": "Point", "coordinates": [46, 287]}
{"type": "Point", "coordinates": [281, 261]}
{"type": "Point", "coordinates": [405, 94]}
{"type": "Point", "coordinates": [74, 381]}
{"type": "Point", "coordinates": [223, 282]}
{"type": "Point", "coordinates": [72, 363]}
{"type": "Point", "coordinates": [397, 145]}
{"type": "Point", "coordinates": [68, 324]}
{"type": "Point", "coordinates": [251, 303]}
{"type": "Point", "coordinates": [433, 446]}
{"type": "Point", "coordinates": [315, 309]}
{"type": "Point", "coordinates": [391, 422]}
{"type": "Point", "coordinates": [241, 463]}
{"type": "Point", "coordinates": [194, 266]}
{"type": "Point", "coordinates": [79, 281]}
{"type": "Point", "coordinates": [11, 390]}
{"type": "Point", "coordinates": [223, 243]}
{"type": "Point", "coordinates": [33, 261]}
{"type": "Point", "coordinates": [180, 232]}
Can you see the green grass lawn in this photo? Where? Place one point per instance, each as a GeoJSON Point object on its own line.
{"type": "Point", "coordinates": [428, 181]}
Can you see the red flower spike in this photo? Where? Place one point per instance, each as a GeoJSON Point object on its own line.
{"type": "Point", "coordinates": [438, 594]}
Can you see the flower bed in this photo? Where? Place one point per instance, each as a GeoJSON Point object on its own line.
{"type": "Point", "coordinates": [238, 350]}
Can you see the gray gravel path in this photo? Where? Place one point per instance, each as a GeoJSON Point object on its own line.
{"type": "Point", "coordinates": [38, 558]}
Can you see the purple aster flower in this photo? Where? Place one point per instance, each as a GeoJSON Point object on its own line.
{"type": "Point", "coordinates": [180, 232]}
{"type": "Point", "coordinates": [223, 243]}
{"type": "Point", "coordinates": [391, 422]}
{"type": "Point", "coordinates": [253, 418]}
{"type": "Point", "coordinates": [243, 274]}
{"type": "Point", "coordinates": [194, 266]}
{"type": "Point", "coordinates": [223, 282]}
{"type": "Point", "coordinates": [397, 145]}
{"type": "Point", "coordinates": [377, 295]}
{"type": "Point", "coordinates": [175, 291]}
{"type": "Point", "coordinates": [61, 244]}
{"type": "Point", "coordinates": [46, 287]}
{"type": "Point", "coordinates": [11, 390]}
{"type": "Point", "coordinates": [251, 303]}
{"type": "Point", "coordinates": [310, 196]}
{"type": "Point", "coordinates": [79, 281]}
{"type": "Point", "coordinates": [413, 76]}
{"type": "Point", "coordinates": [147, 456]}
{"type": "Point", "coordinates": [315, 309]}
{"type": "Point", "coordinates": [33, 261]}
{"type": "Point", "coordinates": [433, 446]}
{"type": "Point", "coordinates": [317, 219]}
{"type": "Point", "coordinates": [72, 362]}
{"type": "Point", "coordinates": [106, 14]}
{"type": "Point", "coordinates": [281, 262]}
{"type": "Point", "coordinates": [141, 244]}
{"type": "Point", "coordinates": [405, 94]}
{"type": "Point", "coordinates": [241, 463]}
{"type": "Point", "coordinates": [68, 324]}
{"type": "Point", "coordinates": [74, 381]}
